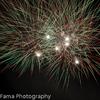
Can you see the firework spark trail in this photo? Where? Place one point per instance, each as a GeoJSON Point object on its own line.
{"type": "Point", "coordinates": [64, 34]}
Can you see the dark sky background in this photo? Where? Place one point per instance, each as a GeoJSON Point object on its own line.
{"type": "Point", "coordinates": [39, 84]}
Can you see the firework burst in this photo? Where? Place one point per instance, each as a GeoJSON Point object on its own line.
{"type": "Point", "coordinates": [62, 35]}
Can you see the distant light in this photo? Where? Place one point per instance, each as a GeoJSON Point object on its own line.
{"type": "Point", "coordinates": [38, 53]}
{"type": "Point", "coordinates": [67, 44]}
{"type": "Point", "coordinates": [76, 61]}
{"type": "Point", "coordinates": [67, 38]}
{"type": "Point", "coordinates": [57, 48]}
{"type": "Point", "coordinates": [48, 36]}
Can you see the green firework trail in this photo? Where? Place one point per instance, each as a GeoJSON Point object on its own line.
{"type": "Point", "coordinates": [61, 35]}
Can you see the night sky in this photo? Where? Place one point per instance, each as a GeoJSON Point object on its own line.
{"type": "Point", "coordinates": [39, 83]}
